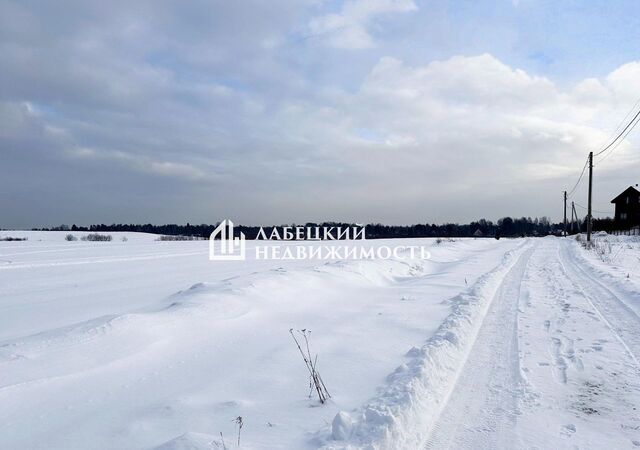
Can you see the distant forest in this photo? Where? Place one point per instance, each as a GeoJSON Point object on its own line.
{"type": "Point", "coordinates": [505, 227]}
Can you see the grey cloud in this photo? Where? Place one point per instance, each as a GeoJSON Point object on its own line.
{"type": "Point", "coordinates": [175, 112]}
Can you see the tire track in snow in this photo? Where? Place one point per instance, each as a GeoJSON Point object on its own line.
{"type": "Point", "coordinates": [582, 386]}
{"type": "Point", "coordinates": [546, 400]}
{"type": "Point", "coordinates": [402, 414]}
{"type": "Point", "coordinates": [623, 322]}
{"type": "Point", "coordinates": [483, 406]}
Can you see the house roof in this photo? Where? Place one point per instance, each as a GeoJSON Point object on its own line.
{"type": "Point", "coordinates": [630, 190]}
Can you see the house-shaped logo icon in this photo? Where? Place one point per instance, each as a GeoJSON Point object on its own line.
{"type": "Point", "coordinates": [227, 247]}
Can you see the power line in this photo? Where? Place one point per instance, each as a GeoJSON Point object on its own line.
{"type": "Point", "coordinates": [600, 212]}
{"type": "Point", "coordinates": [624, 119]}
{"type": "Point", "coordinates": [621, 133]}
{"type": "Point", "coordinates": [620, 141]}
{"type": "Point", "coordinates": [579, 179]}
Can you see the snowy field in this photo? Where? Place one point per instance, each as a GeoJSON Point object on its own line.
{"type": "Point", "coordinates": [141, 344]}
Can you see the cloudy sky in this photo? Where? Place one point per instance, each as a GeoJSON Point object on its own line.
{"type": "Point", "coordinates": [280, 111]}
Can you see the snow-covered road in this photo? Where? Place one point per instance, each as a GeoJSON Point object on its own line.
{"type": "Point", "coordinates": [554, 364]}
{"type": "Point", "coordinates": [512, 344]}
{"type": "Point", "coordinates": [482, 406]}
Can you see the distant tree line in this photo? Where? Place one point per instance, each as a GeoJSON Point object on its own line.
{"type": "Point", "coordinates": [505, 227]}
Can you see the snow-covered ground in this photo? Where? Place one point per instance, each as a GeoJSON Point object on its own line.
{"type": "Point", "coordinates": [525, 343]}
{"type": "Point", "coordinates": [554, 365]}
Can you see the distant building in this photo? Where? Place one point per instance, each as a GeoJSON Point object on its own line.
{"type": "Point", "coordinates": [478, 233]}
{"type": "Point", "coordinates": [627, 208]}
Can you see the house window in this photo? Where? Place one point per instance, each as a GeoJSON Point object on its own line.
{"type": "Point", "coordinates": [627, 200]}
{"type": "Point", "coordinates": [623, 216]}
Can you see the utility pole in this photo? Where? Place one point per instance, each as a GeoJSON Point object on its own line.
{"type": "Point", "coordinates": [590, 189]}
{"type": "Point", "coordinates": [573, 213]}
{"type": "Point", "coordinates": [565, 213]}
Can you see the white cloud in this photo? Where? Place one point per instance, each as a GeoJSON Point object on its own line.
{"type": "Point", "coordinates": [466, 131]}
{"type": "Point", "coordinates": [349, 28]}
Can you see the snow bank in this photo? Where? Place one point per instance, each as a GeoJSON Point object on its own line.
{"type": "Point", "coordinates": [403, 412]}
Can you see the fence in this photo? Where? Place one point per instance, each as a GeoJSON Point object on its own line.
{"type": "Point", "coordinates": [635, 231]}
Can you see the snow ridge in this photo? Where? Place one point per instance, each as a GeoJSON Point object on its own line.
{"type": "Point", "coordinates": [407, 407]}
